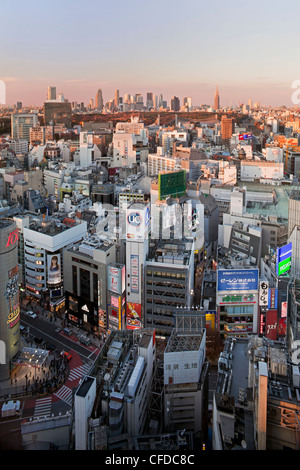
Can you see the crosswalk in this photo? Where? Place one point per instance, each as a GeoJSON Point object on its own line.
{"type": "Point", "coordinates": [42, 407]}
{"type": "Point", "coordinates": [79, 372]}
{"type": "Point", "coordinates": [65, 394]}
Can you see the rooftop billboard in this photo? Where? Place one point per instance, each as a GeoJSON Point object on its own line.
{"type": "Point", "coordinates": [283, 259]}
{"type": "Point", "coordinates": [237, 279]}
{"type": "Point", "coordinates": [171, 184]}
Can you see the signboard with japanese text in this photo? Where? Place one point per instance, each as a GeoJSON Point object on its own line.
{"type": "Point", "coordinates": [237, 280]}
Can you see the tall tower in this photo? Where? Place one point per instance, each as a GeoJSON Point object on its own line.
{"type": "Point", "coordinates": [217, 99]}
{"type": "Point", "coordinates": [9, 296]}
{"type": "Point", "coordinates": [99, 100]}
{"type": "Point", "coordinates": [116, 99]}
{"type": "Point", "coordinates": [51, 95]}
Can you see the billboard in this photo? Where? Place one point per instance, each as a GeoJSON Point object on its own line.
{"type": "Point", "coordinates": [272, 301]}
{"type": "Point", "coordinates": [133, 316]}
{"type": "Point", "coordinates": [115, 278]}
{"type": "Point", "coordinates": [263, 293]}
{"type": "Point", "coordinates": [271, 325]}
{"type": "Point", "coordinates": [171, 184]}
{"type": "Point", "coordinates": [237, 279]}
{"type": "Point", "coordinates": [54, 268]}
{"type": "Point", "coordinates": [137, 222]}
{"type": "Point", "coordinates": [134, 273]}
{"type": "Point", "coordinates": [245, 136]}
{"type": "Point", "coordinates": [283, 259]}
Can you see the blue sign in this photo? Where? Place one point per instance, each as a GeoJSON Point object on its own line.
{"type": "Point", "coordinates": [283, 259]}
{"type": "Point", "coordinates": [237, 279]}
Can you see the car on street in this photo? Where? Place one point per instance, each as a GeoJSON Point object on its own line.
{"type": "Point", "coordinates": [31, 314]}
{"type": "Point", "coordinates": [84, 340]}
{"type": "Point", "coordinates": [66, 354]}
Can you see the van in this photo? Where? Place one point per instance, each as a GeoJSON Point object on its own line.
{"type": "Point", "coordinates": [67, 331]}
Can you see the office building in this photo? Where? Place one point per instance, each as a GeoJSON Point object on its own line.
{"type": "Point", "coordinates": [186, 376]}
{"type": "Point", "coordinates": [21, 124]}
{"type": "Point", "coordinates": [51, 94]}
{"type": "Point", "coordinates": [175, 104]}
{"type": "Point", "coordinates": [44, 242]}
{"type": "Point", "coordinates": [227, 128]}
{"type": "Point", "coordinates": [85, 282]}
{"type": "Point", "coordinates": [256, 401]}
{"type": "Point", "coordinates": [169, 282]}
{"type": "Point", "coordinates": [99, 100]}
{"type": "Point", "coordinates": [217, 100]}
{"type": "Point", "coordinates": [58, 112]}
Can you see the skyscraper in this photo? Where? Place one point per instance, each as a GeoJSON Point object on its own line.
{"type": "Point", "coordinates": [51, 93]}
{"type": "Point", "coordinates": [99, 100]}
{"type": "Point", "coordinates": [175, 104]}
{"type": "Point", "coordinates": [217, 99]}
{"type": "Point", "coordinates": [116, 99]}
{"type": "Point", "coordinates": [227, 128]}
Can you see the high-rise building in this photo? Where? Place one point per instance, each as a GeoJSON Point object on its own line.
{"type": "Point", "coordinates": [116, 99]}
{"type": "Point", "coordinates": [175, 104]}
{"type": "Point", "coordinates": [99, 100]}
{"type": "Point", "coordinates": [9, 296]}
{"type": "Point", "coordinates": [21, 124]}
{"type": "Point", "coordinates": [227, 127]}
{"type": "Point", "coordinates": [58, 112]}
{"type": "Point", "coordinates": [51, 95]}
{"type": "Point", "coordinates": [217, 99]}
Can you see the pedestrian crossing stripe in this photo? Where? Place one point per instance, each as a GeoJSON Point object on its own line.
{"type": "Point", "coordinates": [64, 394]}
{"type": "Point", "coordinates": [79, 372]}
{"type": "Point", "coordinates": [42, 407]}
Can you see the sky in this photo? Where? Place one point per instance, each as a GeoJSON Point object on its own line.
{"type": "Point", "coordinates": [183, 48]}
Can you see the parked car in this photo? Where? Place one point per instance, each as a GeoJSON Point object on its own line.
{"type": "Point", "coordinates": [84, 340]}
{"type": "Point", "coordinates": [31, 314]}
{"type": "Point", "coordinates": [67, 331]}
{"type": "Point", "coordinates": [67, 355]}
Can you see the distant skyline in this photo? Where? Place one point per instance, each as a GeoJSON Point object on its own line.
{"type": "Point", "coordinates": [169, 47]}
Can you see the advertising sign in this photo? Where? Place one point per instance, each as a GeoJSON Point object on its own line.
{"type": "Point", "coordinates": [237, 279]}
{"type": "Point", "coordinates": [283, 309]}
{"type": "Point", "coordinates": [271, 325]}
{"type": "Point", "coordinates": [134, 273]}
{"type": "Point", "coordinates": [137, 222]}
{"type": "Point", "coordinates": [115, 281]}
{"type": "Point", "coordinates": [272, 301]}
{"type": "Point", "coordinates": [133, 316]}
{"type": "Point", "coordinates": [54, 269]}
{"type": "Point", "coordinates": [283, 259]}
{"type": "Point", "coordinates": [245, 136]}
{"type": "Point", "coordinates": [263, 293]}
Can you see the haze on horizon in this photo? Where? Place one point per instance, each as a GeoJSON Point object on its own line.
{"type": "Point", "coordinates": [169, 47]}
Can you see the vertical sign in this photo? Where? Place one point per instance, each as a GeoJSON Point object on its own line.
{"type": "Point", "coordinates": [134, 273]}
{"type": "Point", "coordinates": [263, 293]}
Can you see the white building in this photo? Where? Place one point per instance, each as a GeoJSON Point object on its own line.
{"type": "Point", "coordinates": [44, 241]}
{"type": "Point", "coordinates": [88, 152]}
{"type": "Point", "coordinates": [84, 400]}
{"type": "Point", "coordinates": [261, 170]}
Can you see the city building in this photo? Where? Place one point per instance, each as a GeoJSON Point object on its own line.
{"type": "Point", "coordinates": [51, 93]}
{"type": "Point", "coordinates": [99, 100]}
{"type": "Point", "coordinates": [9, 297]}
{"type": "Point", "coordinates": [44, 242]}
{"type": "Point", "coordinates": [256, 401]}
{"type": "Point", "coordinates": [168, 282]}
{"type": "Point", "coordinates": [21, 123]}
{"type": "Point", "coordinates": [57, 112]}
{"type": "Point", "coordinates": [217, 100]}
{"type": "Point", "coordinates": [86, 282]}
{"type": "Point", "coordinates": [227, 128]}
